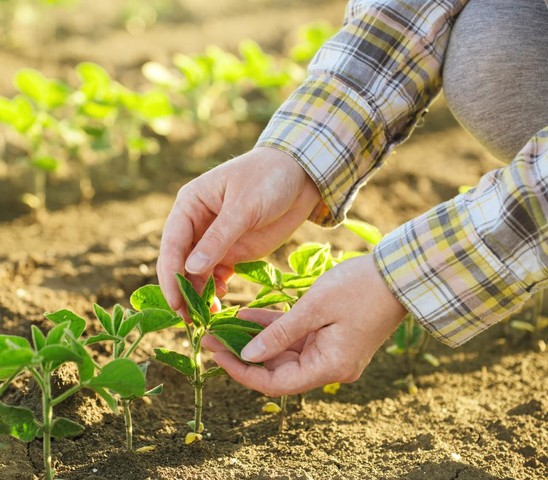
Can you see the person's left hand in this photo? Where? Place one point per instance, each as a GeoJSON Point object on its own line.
{"type": "Point", "coordinates": [330, 335]}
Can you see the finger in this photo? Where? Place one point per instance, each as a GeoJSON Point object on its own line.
{"type": "Point", "coordinates": [291, 377]}
{"type": "Point", "coordinates": [223, 273]}
{"type": "Point", "coordinates": [211, 343]}
{"type": "Point", "coordinates": [223, 232]}
{"type": "Point", "coordinates": [175, 246]}
{"type": "Point", "coordinates": [280, 335]}
{"type": "Point", "coordinates": [262, 316]}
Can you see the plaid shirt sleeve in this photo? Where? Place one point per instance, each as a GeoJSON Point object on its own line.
{"type": "Point", "coordinates": [468, 262]}
{"type": "Point", "coordinates": [471, 261]}
{"type": "Point", "coordinates": [366, 89]}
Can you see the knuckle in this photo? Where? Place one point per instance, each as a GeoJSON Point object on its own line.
{"type": "Point", "coordinates": [280, 335]}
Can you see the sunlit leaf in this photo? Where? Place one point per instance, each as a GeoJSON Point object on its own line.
{"type": "Point", "coordinates": [121, 376]}
{"type": "Point", "coordinates": [237, 324]}
{"type": "Point", "coordinates": [197, 308]}
{"type": "Point", "coordinates": [149, 296]}
{"type": "Point", "coordinates": [176, 360]}
{"type": "Point", "coordinates": [234, 340]}
{"type": "Point", "coordinates": [76, 323]}
{"type": "Point", "coordinates": [368, 232]}
{"type": "Point", "coordinates": [260, 272]}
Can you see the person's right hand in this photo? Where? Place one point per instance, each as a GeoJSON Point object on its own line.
{"type": "Point", "coordinates": [239, 211]}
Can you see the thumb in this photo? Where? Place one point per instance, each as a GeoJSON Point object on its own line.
{"type": "Point", "coordinates": [221, 235]}
{"type": "Point", "coordinates": [281, 334]}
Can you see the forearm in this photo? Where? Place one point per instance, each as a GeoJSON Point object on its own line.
{"type": "Point", "coordinates": [473, 260]}
{"type": "Point", "coordinates": [366, 89]}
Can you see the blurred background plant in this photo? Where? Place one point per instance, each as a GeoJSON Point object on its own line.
{"type": "Point", "coordinates": [89, 122]}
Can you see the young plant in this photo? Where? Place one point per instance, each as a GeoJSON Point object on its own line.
{"type": "Point", "coordinates": [62, 344]}
{"type": "Point", "coordinates": [307, 263]}
{"type": "Point", "coordinates": [152, 314]}
{"type": "Point", "coordinates": [232, 332]}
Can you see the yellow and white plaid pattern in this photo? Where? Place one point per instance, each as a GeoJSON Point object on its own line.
{"type": "Point", "coordinates": [468, 262]}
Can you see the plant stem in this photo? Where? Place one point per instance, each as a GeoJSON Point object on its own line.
{"type": "Point", "coordinates": [126, 405]}
{"type": "Point", "coordinates": [409, 324]}
{"type": "Point", "coordinates": [47, 413]}
{"type": "Point", "coordinates": [198, 387]}
{"type": "Point", "coordinates": [283, 412]}
{"type": "Point", "coordinates": [71, 391]}
{"type": "Point", "coordinates": [133, 346]}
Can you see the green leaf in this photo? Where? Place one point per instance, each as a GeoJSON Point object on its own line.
{"type": "Point", "coordinates": [102, 337]}
{"type": "Point", "coordinates": [63, 428]}
{"type": "Point", "coordinates": [154, 104]}
{"type": "Point", "coordinates": [154, 319]}
{"type": "Point", "coordinates": [129, 324]}
{"type": "Point", "coordinates": [310, 259]}
{"type": "Point", "coordinates": [234, 340]}
{"type": "Point", "coordinates": [104, 318]}
{"type": "Point", "coordinates": [522, 325]}
{"type": "Point", "coordinates": [197, 308]}
{"type": "Point", "coordinates": [57, 354]}
{"type": "Point", "coordinates": [20, 421]}
{"type": "Point", "coordinates": [86, 367]}
{"type": "Point", "coordinates": [122, 376]}
{"type": "Point", "coordinates": [24, 114]}
{"type": "Point", "coordinates": [38, 338]}
{"type": "Point", "coordinates": [431, 359]}
{"type": "Point", "coordinates": [226, 312]}
{"type": "Point", "coordinates": [368, 232]}
{"type": "Point", "coordinates": [77, 323]}
{"type": "Point", "coordinates": [96, 81]}
{"type": "Point", "coordinates": [117, 316]}
{"type": "Point", "coordinates": [208, 294]}
{"type": "Point", "coordinates": [157, 390]}
{"type": "Point", "coordinates": [295, 281]}
{"type": "Point", "coordinates": [14, 360]}
{"type": "Point", "coordinates": [260, 272]}
{"type": "Point", "coordinates": [178, 361]}
{"type": "Point", "coordinates": [57, 333]}
{"type": "Point", "coordinates": [213, 372]}
{"type": "Point", "coordinates": [46, 164]}
{"type": "Point", "coordinates": [46, 93]}
{"type": "Point", "coordinates": [149, 296]}
{"type": "Point", "coordinates": [9, 342]}
{"type": "Point", "coordinates": [236, 324]}
{"type": "Point", "coordinates": [271, 299]}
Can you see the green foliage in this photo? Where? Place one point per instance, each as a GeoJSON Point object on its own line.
{"type": "Point", "coordinates": [232, 332]}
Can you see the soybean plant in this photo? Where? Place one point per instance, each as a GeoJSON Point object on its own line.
{"type": "Point", "coordinates": [152, 314]}
{"type": "Point", "coordinates": [62, 344]}
{"type": "Point", "coordinates": [307, 263]}
{"type": "Point", "coordinates": [232, 332]}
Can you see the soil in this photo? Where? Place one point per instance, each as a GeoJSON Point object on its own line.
{"type": "Point", "coordinates": [481, 415]}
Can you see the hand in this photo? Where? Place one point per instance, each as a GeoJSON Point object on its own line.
{"type": "Point", "coordinates": [239, 211]}
{"type": "Point", "coordinates": [330, 335]}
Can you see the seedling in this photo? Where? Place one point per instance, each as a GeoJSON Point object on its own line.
{"type": "Point", "coordinates": [232, 332]}
{"type": "Point", "coordinates": [47, 353]}
{"type": "Point", "coordinates": [152, 315]}
{"type": "Point", "coordinates": [307, 263]}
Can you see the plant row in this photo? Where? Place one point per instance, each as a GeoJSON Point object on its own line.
{"type": "Point", "coordinates": [51, 123]}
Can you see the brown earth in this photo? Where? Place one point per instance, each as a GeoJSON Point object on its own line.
{"type": "Point", "coordinates": [481, 415]}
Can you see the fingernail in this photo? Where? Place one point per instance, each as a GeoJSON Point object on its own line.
{"type": "Point", "coordinates": [197, 263]}
{"type": "Point", "coordinates": [253, 350]}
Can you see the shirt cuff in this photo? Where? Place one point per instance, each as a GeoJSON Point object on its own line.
{"type": "Point", "coordinates": [440, 270]}
{"type": "Point", "coordinates": [336, 135]}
